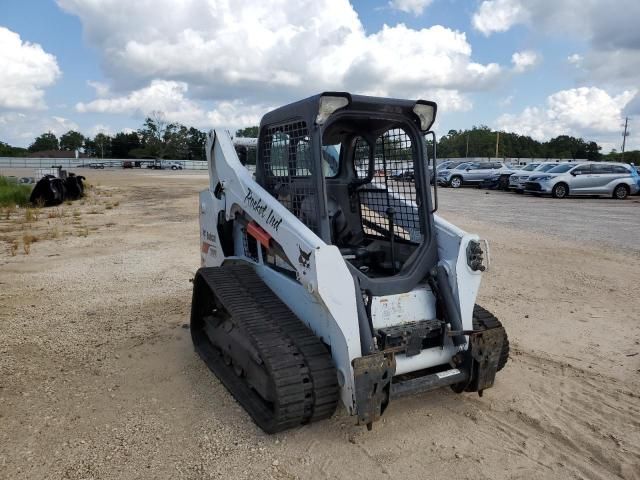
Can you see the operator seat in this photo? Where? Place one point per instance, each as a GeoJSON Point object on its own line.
{"type": "Point", "coordinates": [340, 232]}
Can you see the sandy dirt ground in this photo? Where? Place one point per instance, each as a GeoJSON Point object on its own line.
{"type": "Point", "coordinates": [98, 378]}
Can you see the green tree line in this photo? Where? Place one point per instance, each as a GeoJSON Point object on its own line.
{"type": "Point", "coordinates": [158, 138]}
{"type": "Point", "coordinates": [481, 142]}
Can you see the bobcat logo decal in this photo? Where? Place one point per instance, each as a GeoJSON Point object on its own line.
{"type": "Point", "coordinates": [304, 258]}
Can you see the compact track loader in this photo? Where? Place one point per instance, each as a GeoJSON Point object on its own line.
{"type": "Point", "coordinates": [328, 276]}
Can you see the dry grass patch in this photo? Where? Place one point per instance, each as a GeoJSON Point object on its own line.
{"type": "Point", "coordinates": [13, 247]}
{"type": "Point", "coordinates": [55, 212]}
{"type": "Point", "coordinates": [27, 240]}
{"type": "Point", "coordinates": [31, 214]}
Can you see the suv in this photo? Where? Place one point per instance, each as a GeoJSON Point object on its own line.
{"type": "Point", "coordinates": [617, 180]}
{"type": "Point", "coordinates": [469, 173]}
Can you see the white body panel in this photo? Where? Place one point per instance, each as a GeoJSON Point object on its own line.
{"type": "Point", "coordinates": [323, 294]}
{"type": "Point", "coordinates": [418, 304]}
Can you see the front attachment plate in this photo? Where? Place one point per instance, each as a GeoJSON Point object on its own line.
{"type": "Point", "coordinates": [372, 375]}
{"type": "Point", "coordinates": [485, 350]}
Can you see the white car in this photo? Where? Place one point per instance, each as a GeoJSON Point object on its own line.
{"type": "Point", "coordinates": [617, 180]}
{"type": "Point", "coordinates": [517, 180]}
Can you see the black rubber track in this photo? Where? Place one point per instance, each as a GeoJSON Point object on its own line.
{"type": "Point", "coordinates": [485, 320]}
{"type": "Point", "coordinates": [298, 364]}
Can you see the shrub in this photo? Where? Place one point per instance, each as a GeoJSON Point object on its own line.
{"type": "Point", "coordinates": [12, 194]}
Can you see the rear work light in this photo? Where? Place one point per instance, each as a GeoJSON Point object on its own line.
{"type": "Point", "coordinates": [426, 112]}
{"type": "Point", "coordinates": [328, 105]}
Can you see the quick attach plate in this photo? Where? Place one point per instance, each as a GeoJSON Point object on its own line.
{"type": "Point", "coordinates": [408, 337]}
{"type": "Point", "coordinates": [486, 347]}
{"type": "Point", "coordinates": [372, 375]}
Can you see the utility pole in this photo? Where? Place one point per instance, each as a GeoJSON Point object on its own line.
{"type": "Point", "coordinates": [497, 142]}
{"type": "Point", "coordinates": [466, 154]}
{"type": "Point", "coordinates": [625, 134]}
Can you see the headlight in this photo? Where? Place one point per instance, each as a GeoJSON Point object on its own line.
{"type": "Point", "coordinates": [544, 179]}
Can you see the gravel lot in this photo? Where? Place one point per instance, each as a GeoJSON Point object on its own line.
{"type": "Point", "coordinates": [98, 379]}
{"type": "Point", "coordinates": [604, 221]}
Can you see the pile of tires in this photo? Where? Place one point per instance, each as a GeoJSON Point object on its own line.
{"type": "Point", "coordinates": [51, 191]}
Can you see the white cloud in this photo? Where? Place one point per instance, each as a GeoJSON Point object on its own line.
{"type": "Point", "coordinates": [20, 129]}
{"type": "Point", "coordinates": [525, 60]}
{"type": "Point", "coordinates": [609, 29]}
{"type": "Point", "coordinates": [506, 101]}
{"type": "Point", "coordinates": [100, 128]}
{"type": "Point", "coordinates": [499, 15]}
{"type": "Point", "coordinates": [410, 6]}
{"type": "Point", "coordinates": [161, 95]}
{"type": "Point", "coordinates": [588, 112]}
{"type": "Point", "coordinates": [266, 53]}
{"type": "Point", "coordinates": [25, 70]}
{"type": "Point", "coordinates": [633, 107]}
{"type": "Point", "coordinates": [169, 97]}
{"type": "Point", "coordinates": [575, 59]}
{"type": "Point", "coordinates": [450, 100]}
{"type": "Point", "coordinates": [101, 88]}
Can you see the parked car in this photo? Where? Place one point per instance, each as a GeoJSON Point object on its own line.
{"type": "Point", "coordinates": [516, 181]}
{"type": "Point", "coordinates": [175, 165]}
{"type": "Point", "coordinates": [404, 176]}
{"type": "Point", "coordinates": [96, 165]}
{"type": "Point", "coordinates": [448, 165]}
{"type": "Point", "coordinates": [499, 179]}
{"type": "Point", "coordinates": [469, 173]}
{"type": "Point", "coordinates": [617, 180]}
{"type": "Point", "coordinates": [162, 164]}
{"type": "Point", "coordinates": [443, 165]}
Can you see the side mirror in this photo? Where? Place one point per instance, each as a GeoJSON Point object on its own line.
{"type": "Point", "coordinates": [467, 169]}
{"type": "Point", "coordinates": [574, 173]}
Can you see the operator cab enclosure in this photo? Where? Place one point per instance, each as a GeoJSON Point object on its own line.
{"type": "Point", "coordinates": [336, 161]}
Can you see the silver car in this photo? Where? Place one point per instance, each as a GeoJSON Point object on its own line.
{"type": "Point", "coordinates": [470, 173]}
{"type": "Point", "coordinates": [516, 181]}
{"type": "Point", "coordinates": [617, 180]}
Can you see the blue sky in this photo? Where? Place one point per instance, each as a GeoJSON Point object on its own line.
{"type": "Point", "coordinates": [541, 68]}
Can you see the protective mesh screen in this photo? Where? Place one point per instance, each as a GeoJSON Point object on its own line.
{"type": "Point", "coordinates": [361, 157]}
{"type": "Point", "coordinates": [392, 187]}
{"type": "Point", "coordinates": [288, 170]}
{"type": "Point", "coordinates": [250, 245]}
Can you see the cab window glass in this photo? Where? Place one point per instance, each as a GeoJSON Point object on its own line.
{"type": "Point", "coordinates": [279, 154]}
{"type": "Point", "coordinates": [330, 160]}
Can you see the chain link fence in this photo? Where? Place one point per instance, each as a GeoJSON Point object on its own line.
{"type": "Point", "coordinates": [27, 162]}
